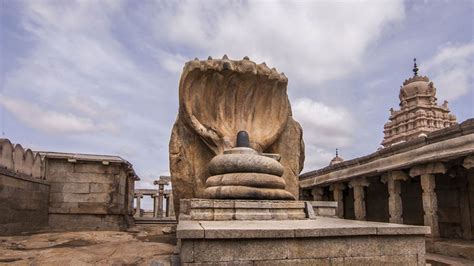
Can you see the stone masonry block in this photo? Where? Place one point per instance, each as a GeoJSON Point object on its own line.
{"type": "Point", "coordinates": [225, 250]}
{"type": "Point", "coordinates": [97, 168]}
{"type": "Point", "coordinates": [318, 248]}
{"type": "Point", "coordinates": [297, 262]}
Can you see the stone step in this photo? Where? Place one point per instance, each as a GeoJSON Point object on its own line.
{"type": "Point", "coordinates": [155, 221]}
{"type": "Point", "coordinates": [457, 248]}
{"type": "Point", "coordinates": [438, 259]}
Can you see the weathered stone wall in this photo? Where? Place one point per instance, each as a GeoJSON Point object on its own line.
{"type": "Point", "coordinates": [23, 193]}
{"type": "Point", "coordinates": [23, 203]}
{"type": "Point", "coordinates": [88, 194]}
{"type": "Point", "coordinates": [15, 158]}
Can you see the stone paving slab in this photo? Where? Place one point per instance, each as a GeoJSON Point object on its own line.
{"type": "Point", "coordinates": [319, 227]}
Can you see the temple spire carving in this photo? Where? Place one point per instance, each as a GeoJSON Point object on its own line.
{"type": "Point", "coordinates": [419, 111]}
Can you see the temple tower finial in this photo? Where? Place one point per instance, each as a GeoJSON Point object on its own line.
{"type": "Point", "coordinates": [415, 68]}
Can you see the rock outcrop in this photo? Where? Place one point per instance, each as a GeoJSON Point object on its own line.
{"type": "Point", "coordinates": [219, 98]}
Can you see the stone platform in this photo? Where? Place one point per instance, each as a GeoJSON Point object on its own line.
{"type": "Point", "coordinates": [221, 210]}
{"type": "Point", "coordinates": [321, 241]}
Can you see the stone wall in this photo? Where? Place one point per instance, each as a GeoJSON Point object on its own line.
{"type": "Point", "coordinates": [63, 190]}
{"type": "Point", "coordinates": [88, 194]}
{"type": "Point", "coordinates": [23, 203]}
{"type": "Point", "coordinates": [23, 192]}
{"type": "Point", "coordinates": [18, 160]}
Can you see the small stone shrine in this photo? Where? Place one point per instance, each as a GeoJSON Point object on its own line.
{"type": "Point", "coordinates": [234, 152]}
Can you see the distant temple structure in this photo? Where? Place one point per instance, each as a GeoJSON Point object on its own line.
{"type": "Point", "coordinates": [336, 159]}
{"type": "Point", "coordinates": [419, 112]}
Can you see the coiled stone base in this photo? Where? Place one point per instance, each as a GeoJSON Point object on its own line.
{"type": "Point", "coordinates": [245, 192]}
{"type": "Point", "coordinates": [246, 179]}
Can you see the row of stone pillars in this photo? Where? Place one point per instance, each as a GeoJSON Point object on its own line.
{"type": "Point", "coordinates": [392, 179]}
{"type": "Point", "coordinates": [160, 197]}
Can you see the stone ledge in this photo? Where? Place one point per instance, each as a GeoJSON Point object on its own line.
{"type": "Point", "coordinates": [10, 173]}
{"type": "Point", "coordinates": [320, 227]}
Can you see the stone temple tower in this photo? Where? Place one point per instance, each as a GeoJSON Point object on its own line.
{"type": "Point", "coordinates": [419, 112]}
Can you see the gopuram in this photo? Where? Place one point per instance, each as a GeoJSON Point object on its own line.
{"type": "Point", "coordinates": [423, 175]}
{"type": "Point", "coordinates": [235, 156]}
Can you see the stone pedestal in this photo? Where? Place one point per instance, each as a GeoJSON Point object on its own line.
{"type": "Point", "coordinates": [323, 241]}
{"type": "Point", "coordinates": [246, 232]}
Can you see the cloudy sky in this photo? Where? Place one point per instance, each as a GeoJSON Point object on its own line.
{"type": "Point", "coordinates": [102, 76]}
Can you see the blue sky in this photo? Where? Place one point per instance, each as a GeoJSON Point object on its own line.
{"type": "Point", "coordinates": [102, 76]}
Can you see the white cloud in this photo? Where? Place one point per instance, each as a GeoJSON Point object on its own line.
{"type": "Point", "coordinates": [311, 41]}
{"type": "Point", "coordinates": [452, 70]}
{"type": "Point", "coordinates": [51, 121]}
{"type": "Point", "coordinates": [324, 126]}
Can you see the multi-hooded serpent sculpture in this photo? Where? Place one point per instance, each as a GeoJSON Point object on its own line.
{"type": "Point", "coordinates": [218, 98]}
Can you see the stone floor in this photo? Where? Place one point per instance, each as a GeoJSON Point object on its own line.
{"type": "Point", "coordinates": [140, 245]}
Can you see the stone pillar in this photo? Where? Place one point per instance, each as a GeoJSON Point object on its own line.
{"type": "Point", "coordinates": [164, 180]}
{"type": "Point", "coordinates": [430, 203]}
{"type": "Point", "coordinates": [428, 184]}
{"type": "Point", "coordinates": [167, 205]}
{"type": "Point", "coordinates": [160, 205]}
{"type": "Point", "coordinates": [467, 193]}
{"type": "Point", "coordinates": [359, 197]}
{"type": "Point", "coordinates": [138, 213]}
{"type": "Point", "coordinates": [156, 205]}
{"type": "Point", "coordinates": [337, 191]}
{"type": "Point", "coordinates": [395, 207]}
{"type": "Point", "coordinates": [317, 193]}
{"type": "Point", "coordinates": [171, 204]}
{"type": "Point", "coordinates": [464, 205]}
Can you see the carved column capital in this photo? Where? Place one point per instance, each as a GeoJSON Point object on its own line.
{"type": "Point", "coordinates": [394, 175]}
{"type": "Point", "coordinates": [468, 162]}
{"type": "Point", "coordinates": [359, 182]}
{"type": "Point", "coordinates": [317, 193]}
{"type": "Point", "coordinates": [430, 168]}
{"type": "Point", "coordinates": [337, 186]}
